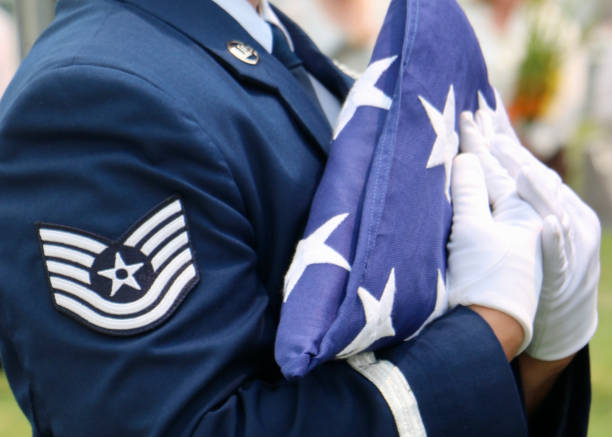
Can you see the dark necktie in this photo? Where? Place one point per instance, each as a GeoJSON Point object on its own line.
{"type": "Point", "coordinates": [286, 56]}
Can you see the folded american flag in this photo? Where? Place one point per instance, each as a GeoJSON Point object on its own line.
{"type": "Point", "coordinates": [370, 270]}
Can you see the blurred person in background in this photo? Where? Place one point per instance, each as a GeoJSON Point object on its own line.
{"type": "Point", "coordinates": [346, 30]}
{"type": "Point", "coordinates": [597, 135]}
{"type": "Point", "coordinates": [600, 95]}
{"type": "Point", "coordinates": [9, 49]}
{"type": "Point", "coordinates": [535, 57]}
{"type": "Point", "coordinates": [360, 22]}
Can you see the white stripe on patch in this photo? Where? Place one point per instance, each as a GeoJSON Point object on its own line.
{"type": "Point", "coordinates": [169, 249]}
{"type": "Point", "coordinates": [73, 272]}
{"type": "Point", "coordinates": [71, 239]}
{"type": "Point", "coordinates": [134, 323]}
{"type": "Point", "coordinates": [160, 236]}
{"type": "Point", "coordinates": [394, 387]}
{"type": "Point", "coordinates": [76, 256]}
{"type": "Point", "coordinates": [121, 309]}
{"type": "Point", "coordinates": [143, 230]}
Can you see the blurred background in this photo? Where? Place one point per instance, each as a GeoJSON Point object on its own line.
{"type": "Point", "coordinates": [550, 59]}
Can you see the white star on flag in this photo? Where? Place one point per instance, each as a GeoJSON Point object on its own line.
{"type": "Point", "coordinates": [313, 250]}
{"type": "Point", "coordinates": [446, 146]}
{"type": "Point", "coordinates": [121, 274]}
{"type": "Point", "coordinates": [365, 93]}
{"type": "Point", "coordinates": [378, 318]}
{"type": "Point", "coordinates": [439, 309]}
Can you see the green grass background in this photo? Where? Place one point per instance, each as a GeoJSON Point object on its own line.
{"type": "Point", "coordinates": [12, 421]}
{"type": "Point", "coordinates": [14, 424]}
{"type": "Point", "coordinates": [601, 349]}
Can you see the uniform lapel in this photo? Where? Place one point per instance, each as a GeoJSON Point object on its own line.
{"type": "Point", "coordinates": [212, 28]}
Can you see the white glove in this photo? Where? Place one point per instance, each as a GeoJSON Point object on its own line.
{"type": "Point", "coordinates": [567, 314]}
{"type": "Point", "coordinates": [494, 257]}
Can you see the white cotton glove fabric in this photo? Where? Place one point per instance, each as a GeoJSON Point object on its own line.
{"type": "Point", "coordinates": [566, 319]}
{"type": "Point", "coordinates": [494, 252]}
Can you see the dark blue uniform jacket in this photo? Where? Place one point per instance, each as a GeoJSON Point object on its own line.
{"type": "Point", "coordinates": [122, 105]}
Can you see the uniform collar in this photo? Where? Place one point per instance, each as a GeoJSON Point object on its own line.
{"type": "Point", "coordinates": [210, 26]}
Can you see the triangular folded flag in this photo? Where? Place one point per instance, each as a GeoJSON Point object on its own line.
{"type": "Point", "coordinates": [370, 270]}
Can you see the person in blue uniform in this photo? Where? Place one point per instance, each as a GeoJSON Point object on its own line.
{"type": "Point", "coordinates": [157, 163]}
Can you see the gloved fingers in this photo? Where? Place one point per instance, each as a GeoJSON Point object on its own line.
{"type": "Point", "coordinates": [500, 186]}
{"type": "Point", "coordinates": [469, 189]}
{"type": "Point", "coordinates": [504, 150]}
{"type": "Point", "coordinates": [484, 121]}
{"type": "Point", "coordinates": [577, 208]}
{"type": "Point", "coordinates": [585, 229]}
{"type": "Point", "coordinates": [502, 120]}
{"type": "Point", "coordinates": [555, 262]}
{"type": "Point", "coordinates": [542, 191]}
{"type": "Point", "coordinates": [544, 195]}
{"type": "Point", "coordinates": [483, 105]}
{"type": "Point", "coordinates": [499, 116]}
{"type": "Point", "coordinates": [471, 138]}
{"type": "Point", "coordinates": [513, 156]}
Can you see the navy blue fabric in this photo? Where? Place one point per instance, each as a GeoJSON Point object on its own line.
{"type": "Point", "coordinates": [121, 105]}
{"type": "Point", "coordinates": [446, 382]}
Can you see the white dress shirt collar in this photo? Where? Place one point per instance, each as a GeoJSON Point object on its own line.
{"type": "Point", "coordinates": [254, 23]}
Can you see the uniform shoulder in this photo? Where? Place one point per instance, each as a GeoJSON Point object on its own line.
{"type": "Point", "coordinates": [111, 35]}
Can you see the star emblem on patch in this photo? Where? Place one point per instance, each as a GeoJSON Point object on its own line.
{"type": "Point", "coordinates": [127, 286]}
{"type": "Point", "coordinates": [122, 274]}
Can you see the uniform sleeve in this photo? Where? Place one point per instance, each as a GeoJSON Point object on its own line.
{"type": "Point", "coordinates": [93, 148]}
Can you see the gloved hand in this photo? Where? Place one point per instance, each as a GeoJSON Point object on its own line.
{"type": "Point", "coordinates": [567, 313]}
{"type": "Point", "coordinates": [494, 256]}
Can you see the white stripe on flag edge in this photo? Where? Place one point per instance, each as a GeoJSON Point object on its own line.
{"type": "Point", "coordinates": [71, 239]}
{"type": "Point", "coordinates": [121, 309]}
{"type": "Point", "coordinates": [396, 391]}
{"type": "Point", "coordinates": [141, 321]}
{"type": "Point", "coordinates": [67, 254]}
{"type": "Point", "coordinates": [145, 229]}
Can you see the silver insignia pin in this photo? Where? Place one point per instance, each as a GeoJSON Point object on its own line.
{"type": "Point", "coordinates": [244, 52]}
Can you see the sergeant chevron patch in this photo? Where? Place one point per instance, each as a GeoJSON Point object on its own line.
{"type": "Point", "coordinates": [127, 286]}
